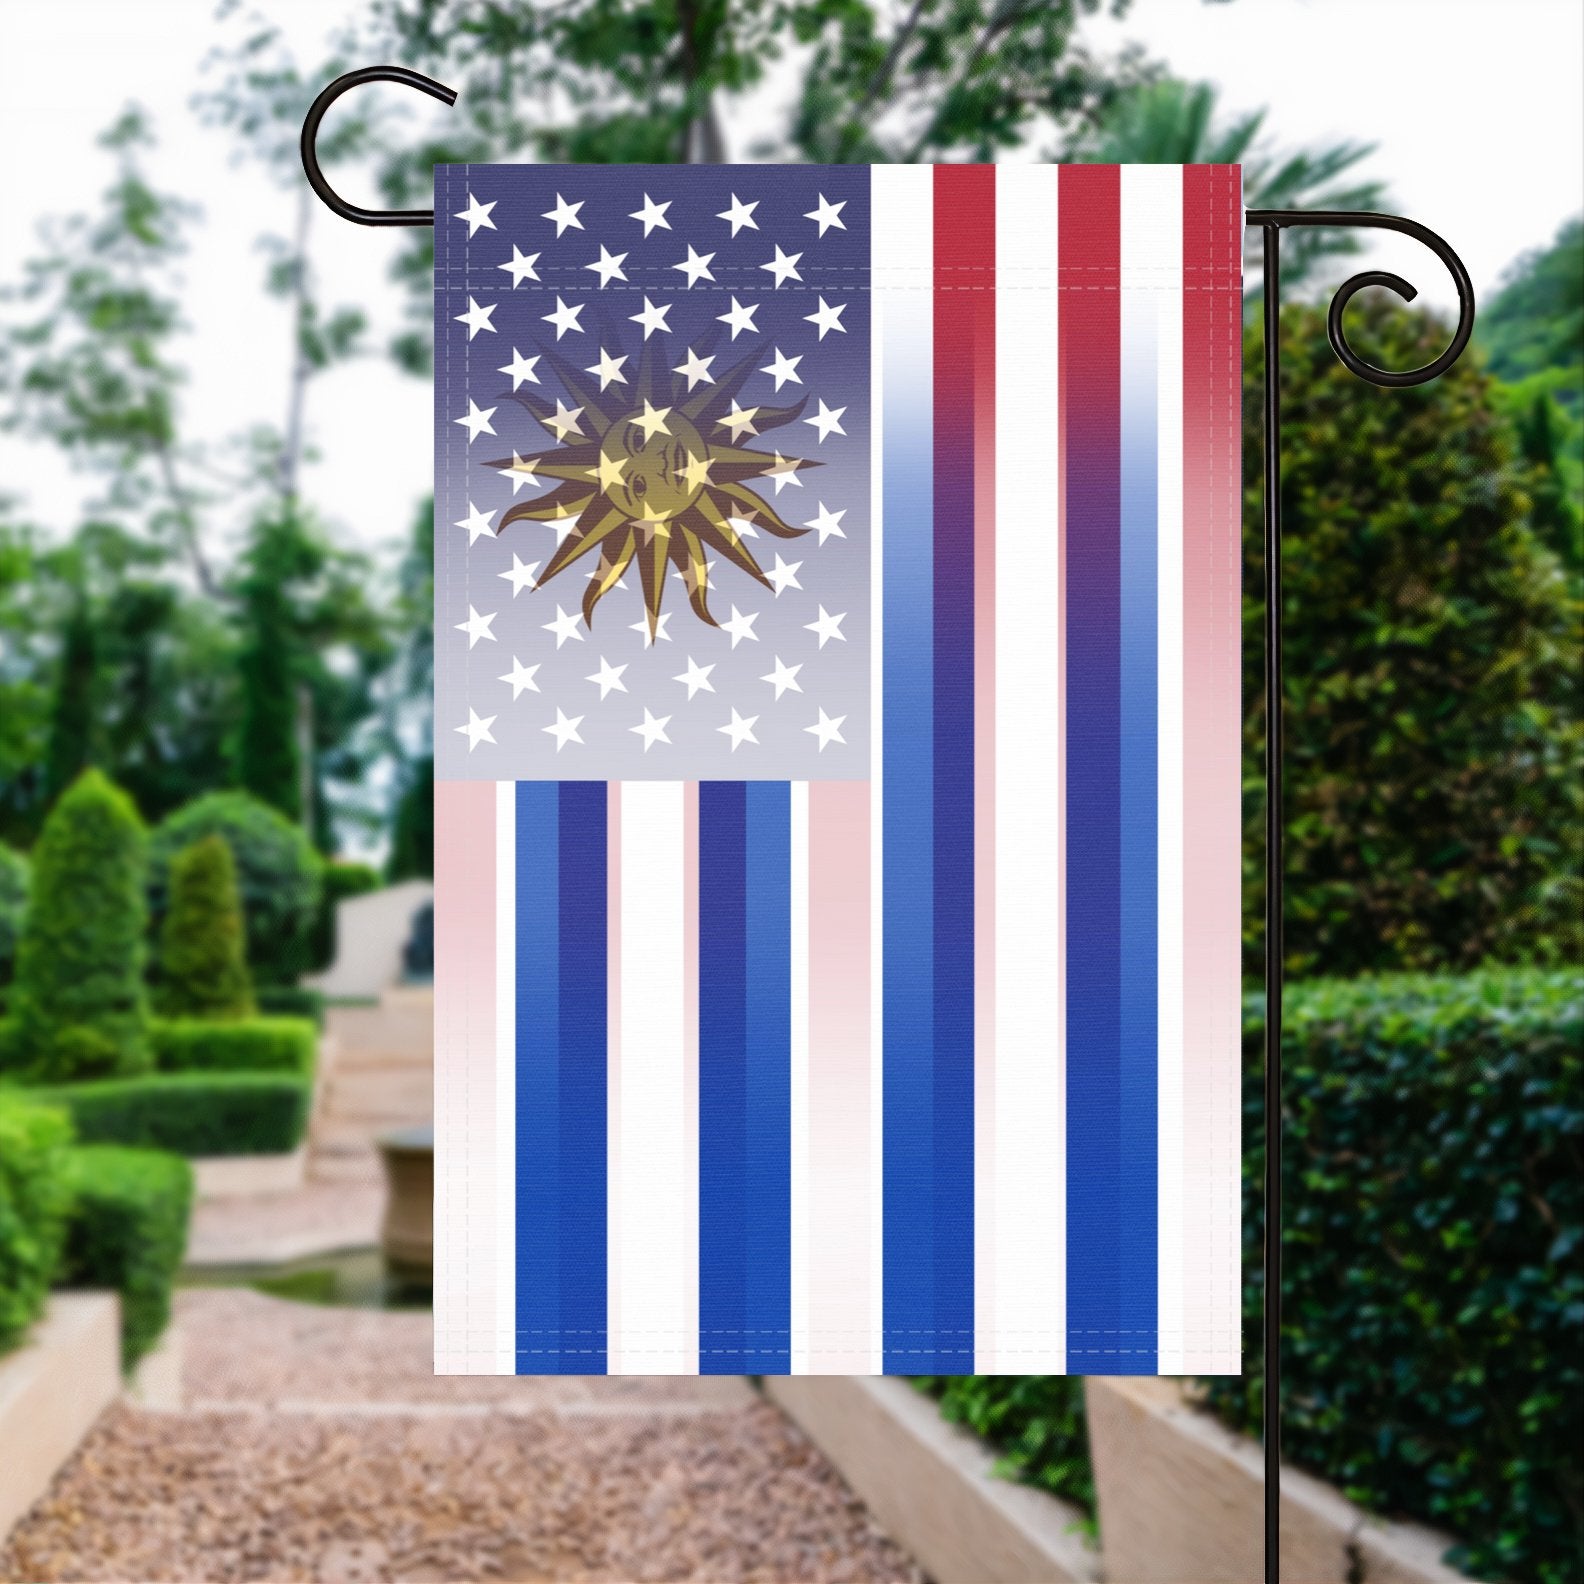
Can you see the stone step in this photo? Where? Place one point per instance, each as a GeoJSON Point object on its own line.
{"type": "Point", "coordinates": [381, 1093]}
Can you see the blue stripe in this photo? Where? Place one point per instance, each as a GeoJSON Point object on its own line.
{"type": "Point", "coordinates": [908, 854]}
{"type": "Point", "coordinates": [1137, 1210]}
{"type": "Point", "coordinates": [538, 1080]}
{"type": "Point", "coordinates": [580, 1120]}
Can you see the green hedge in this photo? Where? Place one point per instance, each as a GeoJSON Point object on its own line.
{"type": "Point", "coordinates": [264, 1044]}
{"type": "Point", "coordinates": [33, 1206]}
{"type": "Point", "coordinates": [1433, 1315]}
{"type": "Point", "coordinates": [291, 1001]}
{"type": "Point", "coordinates": [224, 1113]}
{"type": "Point", "coordinates": [127, 1230]}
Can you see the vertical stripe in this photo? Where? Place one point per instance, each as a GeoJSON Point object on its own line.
{"type": "Point", "coordinates": [613, 1047]}
{"type": "Point", "coordinates": [1169, 702]}
{"type": "Point", "coordinates": [800, 1010]}
{"type": "Point", "coordinates": [1089, 349]}
{"type": "Point", "coordinates": [658, 1172]}
{"type": "Point", "coordinates": [537, 851]}
{"type": "Point", "coordinates": [506, 1075]}
{"type": "Point", "coordinates": [1138, 1251]}
{"type": "Point", "coordinates": [580, 1109]}
{"type": "Point", "coordinates": [467, 1273]}
{"type": "Point", "coordinates": [843, 1229]}
{"type": "Point", "coordinates": [690, 1028]}
{"type": "Point", "coordinates": [903, 270]}
{"type": "Point", "coordinates": [1029, 1195]}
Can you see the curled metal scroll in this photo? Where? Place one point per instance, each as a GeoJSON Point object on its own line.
{"type": "Point", "coordinates": [1280, 218]}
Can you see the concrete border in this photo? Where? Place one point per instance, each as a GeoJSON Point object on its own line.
{"type": "Point", "coordinates": [933, 1486]}
{"type": "Point", "coordinates": [52, 1388]}
{"type": "Point", "coordinates": [237, 1176]}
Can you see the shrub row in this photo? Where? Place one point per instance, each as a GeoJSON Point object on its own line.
{"type": "Point", "coordinates": [33, 1206]}
{"type": "Point", "coordinates": [263, 1044]}
{"type": "Point", "coordinates": [194, 1114]}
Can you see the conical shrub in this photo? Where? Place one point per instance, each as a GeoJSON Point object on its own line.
{"type": "Point", "coordinates": [78, 1003]}
{"type": "Point", "coordinates": [203, 948]}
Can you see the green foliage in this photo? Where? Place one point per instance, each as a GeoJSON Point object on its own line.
{"type": "Point", "coordinates": [1434, 1225]}
{"type": "Point", "coordinates": [292, 1001]}
{"type": "Point", "coordinates": [1036, 1423]}
{"type": "Point", "coordinates": [281, 876]}
{"type": "Point", "coordinates": [412, 840]}
{"type": "Point", "coordinates": [33, 1205]}
{"type": "Point", "coordinates": [14, 872]}
{"type": "Point", "coordinates": [342, 880]}
{"type": "Point", "coordinates": [127, 1230]}
{"type": "Point", "coordinates": [190, 1113]}
{"type": "Point", "coordinates": [269, 760]}
{"type": "Point", "coordinates": [258, 1044]}
{"type": "Point", "coordinates": [203, 961]}
{"type": "Point", "coordinates": [78, 1004]}
{"type": "Point", "coordinates": [1435, 807]}
{"type": "Point", "coordinates": [74, 720]}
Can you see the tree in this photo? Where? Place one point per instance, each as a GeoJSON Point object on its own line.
{"type": "Point", "coordinates": [203, 960]}
{"type": "Point", "coordinates": [412, 839]}
{"type": "Point", "coordinates": [14, 874]}
{"type": "Point", "coordinates": [1435, 806]}
{"type": "Point", "coordinates": [75, 716]}
{"type": "Point", "coordinates": [78, 1007]}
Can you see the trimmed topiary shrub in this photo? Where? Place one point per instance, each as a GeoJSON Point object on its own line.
{"type": "Point", "coordinates": [13, 905]}
{"type": "Point", "coordinates": [273, 1044]}
{"type": "Point", "coordinates": [280, 874]}
{"type": "Point", "coordinates": [127, 1230]}
{"type": "Point", "coordinates": [1433, 1302]}
{"type": "Point", "coordinates": [203, 962]}
{"type": "Point", "coordinates": [33, 1205]}
{"type": "Point", "coordinates": [194, 1114]}
{"type": "Point", "coordinates": [295, 1001]}
{"type": "Point", "coordinates": [78, 1008]}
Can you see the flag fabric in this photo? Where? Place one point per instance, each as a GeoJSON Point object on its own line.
{"type": "Point", "coordinates": [838, 769]}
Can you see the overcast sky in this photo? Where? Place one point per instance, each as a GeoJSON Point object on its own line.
{"type": "Point", "coordinates": [1476, 106]}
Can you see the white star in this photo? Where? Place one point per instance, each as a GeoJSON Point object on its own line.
{"type": "Point", "coordinates": [696, 368]}
{"type": "Point", "coordinates": [608, 368]}
{"type": "Point", "coordinates": [608, 677]}
{"type": "Point", "coordinates": [827, 318]}
{"type": "Point", "coordinates": [521, 368]}
{"type": "Point", "coordinates": [521, 266]}
{"type": "Point", "coordinates": [477, 421]}
{"type": "Point", "coordinates": [522, 471]}
{"type": "Point", "coordinates": [827, 214]}
{"type": "Point", "coordinates": [827, 730]}
{"type": "Point", "coordinates": [608, 266]}
{"type": "Point", "coordinates": [564, 730]}
{"type": "Point", "coordinates": [476, 215]}
{"type": "Point", "coordinates": [477, 729]}
{"type": "Point", "coordinates": [476, 522]}
{"type": "Point", "coordinates": [783, 369]}
{"type": "Point", "coordinates": [521, 678]}
{"type": "Point", "coordinates": [740, 215]}
{"type": "Point", "coordinates": [567, 420]}
{"type": "Point", "coordinates": [564, 626]}
{"type": "Point", "coordinates": [744, 526]}
{"type": "Point", "coordinates": [564, 318]}
{"type": "Point", "coordinates": [652, 730]}
{"type": "Point", "coordinates": [652, 318]}
{"type": "Point", "coordinates": [739, 317]}
{"type": "Point", "coordinates": [476, 318]}
{"type": "Point", "coordinates": [477, 626]}
{"type": "Point", "coordinates": [784, 576]}
{"type": "Point", "coordinates": [739, 730]}
{"type": "Point", "coordinates": [567, 524]}
{"type": "Point", "coordinates": [783, 266]}
{"type": "Point", "coordinates": [659, 635]}
{"type": "Point", "coordinates": [827, 419]}
{"type": "Point", "coordinates": [696, 677]}
{"type": "Point", "coordinates": [828, 523]}
{"type": "Point", "coordinates": [738, 419]}
{"type": "Point", "coordinates": [827, 626]}
{"type": "Point", "coordinates": [695, 266]}
{"type": "Point", "coordinates": [784, 471]}
{"type": "Point", "coordinates": [564, 214]}
{"type": "Point", "coordinates": [784, 677]}
{"type": "Point", "coordinates": [652, 421]}
{"type": "Point", "coordinates": [521, 575]}
{"type": "Point", "coordinates": [740, 626]}
{"type": "Point", "coordinates": [652, 215]}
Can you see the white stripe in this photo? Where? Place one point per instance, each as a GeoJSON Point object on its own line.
{"type": "Point", "coordinates": [1029, 1192]}
{"type": "Point", "coordinates": [799, 921]}
{"type": "Point", "coordinates": [656, 1239]}
{"type": "Point", "coordinates": [506, 1074]}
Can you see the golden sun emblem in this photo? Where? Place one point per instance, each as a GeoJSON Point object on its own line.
{"type": "Point", "coordinates": [655, 477]}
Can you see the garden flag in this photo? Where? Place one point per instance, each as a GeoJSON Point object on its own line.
{"type": "Point", "coordinates": [837, 769]}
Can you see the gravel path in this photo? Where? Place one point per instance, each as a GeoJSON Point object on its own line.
{"type": "Point", "coordinates": [316, 1446]}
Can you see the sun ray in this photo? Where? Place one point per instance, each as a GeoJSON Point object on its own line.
{"type": "Point", "coordinates": [764, 514]}
{"type": "Point", "coordinates": [607, 575]}
{"type": "Point", "coordinates": [583, 538]}
{"type": "Point", "coordinates": [566, 501]}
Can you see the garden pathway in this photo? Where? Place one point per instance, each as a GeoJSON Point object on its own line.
{"type": "Point", "coordinates": [316, 1444]}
